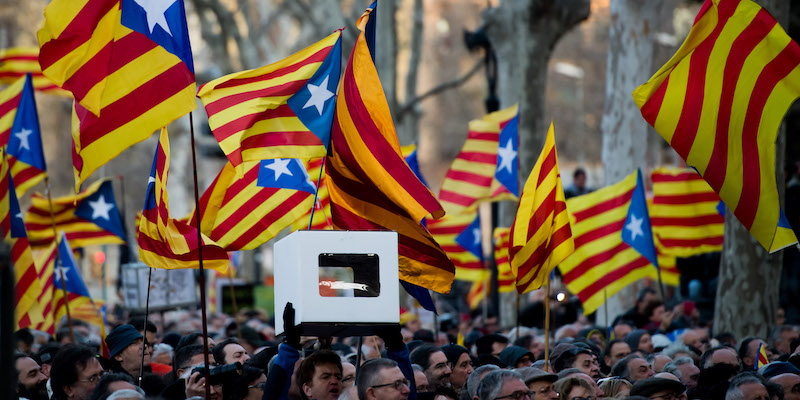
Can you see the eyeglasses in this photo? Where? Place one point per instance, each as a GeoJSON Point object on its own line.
{"type": "Point", "coordinates": [259, 386]}
{"type": "Point", "coordinates": [94, 378]}
{"type": "Point", "coordinates": [518, 395]}
{"type": "Point", "coordinates": [397, 385]}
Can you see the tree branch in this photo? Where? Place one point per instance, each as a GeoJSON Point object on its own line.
{"type": "Point", "coordinates": [409, 105]}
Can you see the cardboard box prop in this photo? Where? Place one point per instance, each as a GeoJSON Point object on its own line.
{"type": "Point", "coordinates": [339, 282]}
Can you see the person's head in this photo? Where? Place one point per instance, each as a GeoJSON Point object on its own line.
{"type": "Point", "coordinates": [574, 388]}
{"type": "Point", "coordinates": [615, 387]}
{"type": "Point", "coordinates": [615, 350]}
{"type": "Point", "coordinates": [658, 361]}
{"type": "Point", "coordinates": [125, 346]}
{"type": "Point", "coordinates": [382, 379]}
{"type": "Point", "coordinates": [782, 337]}
{"type": "Point", "coordinates": [420, 380]}
{"type": "Point", "coordinates": [491, 344]}
{"type": "Point", "coordinates": [580, 358]}
{"type": "Point", "coordinates": [640, 340]}
{"type": "Point", "coordinates": [194, 338]}
{"type": "Point", "coordinates": [576, 373]}
{"type": "Point", "coordinates": [319, 376]}
{"type": "Point", "coordinates": [500, 384]}
{"type": "Point", "coordinates": [748, 351]}
{"type": "Point", "coordinates": [247, 386]}
{"type": "Point", "coordinates": [111, 383]}
{"type": "Point", "coordinates": [75, 373]}
{"type": "Point", "coordinates": [348, 374]}
{"type": "Point", "coordinates": [162, 354]}
{"type": "Point", "coordinates": [747, 386]}
{"type": "Point", "coordinates": [685, 370]}
{"type": "Point", "coordinates": [30, 379]}
{"type": "Point", "coordinates": [579, 178]}
{"type": "Point", "coordinates": [644, 297]}
{"type": "Point", "coordinates": [632, 368]}
{"type": "Point", "coordinates": [434, 363]}
{"type": "Point", "coordinates": [24, 339]}
{"type": "Point", "coordinates": [658, 388]}
{"type": "Point", "coordinates": [45, 357]}
{"type": "Point", "coordinates": [148, 330]}
{"type": "Point", "coordinates": [516, 357]}
{"type": "Point", "coordinates": [477, 376]}
{"type": "Point", "coordinates": [540, 383]}
{"type": "Point", "coordinates": [460, 364]}
{"type": "Point", "coordinates": [187, 356]}
{"type": "Point", "coordinates": [790, 384]}
{"type": "Point", "coordinates": [229, 351]}
{"type": "Point", "coordinates": [654, 311]}
{"type": "Point", "coordinates": [719, 355]}
{"type": "Point", "coordinates": [622, 328]}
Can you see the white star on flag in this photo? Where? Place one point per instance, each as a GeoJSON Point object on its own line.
{"type": "Point", "coordinates": [156, 10]}
{"type": "Point", "coordinates": [635, 226]}
{"type": "Point", "coordinates": [280, 166]}
{"type": "Point", "coordinates": [477, 234]}
{"type": "Point", "coordinates": [23, 139]}
{"type": "Point", "coordinates": [100, 208]}
{"type": "Point", "coordinates": [319, 95]}
{"type": "Point", "coordinates": [61, 270]}
{"type": "Point", "coordinates": [507, 155]}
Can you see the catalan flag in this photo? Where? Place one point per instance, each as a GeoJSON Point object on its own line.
{"type": "Point", "coordinates": [322, 207]}
{"type": "Point", "coordinates": [540, 236]}
{"type": "Point", "coordinates": [24, 146]}
{"type": "Point", "coordinates": [88, 218]}
{"type": "Point", "coordinates": [282, 110]}
{"type": "Point", "coordinates": [506, 282]}
{"type": "Point", "coordinates": [473, 176]}
{"type": "Point", "coordinates": [762, 356]}
{"type": "Point", "coordinates": [371, 186]}
{"type": "Point", "coordinates": [16, 62]}
{"type": "Point", "coordinates": [9, 100]}
{"type": "Point", "coordinates": [684, 213]}
{"type": "Point", "coordinates": [165, 242]}
{"type": "Point", "coordinates": [719, 102]}
{"type": "Point", "coordinates": [45, 263]}
{"type": "Point", "coordinates": [602, 261]}
{"type": "Point", "coordinates": [127, 63]}
{"type": "Point", "coordinates": [242, 213]}
{"type": "Point", "coordinates": [477, 294]}
{"type": "Point", "coordinates": [460, 237]}
{"type": "Point", "coordinates": [27, 286]}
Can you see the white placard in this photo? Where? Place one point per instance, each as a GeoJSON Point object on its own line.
{"type": "Point", "coordinates": [169, 289]}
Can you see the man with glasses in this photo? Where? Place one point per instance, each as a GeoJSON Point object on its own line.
{"type": "Point", "coordinates": [75, 373]}
{"type": "Point", "coordinates": [434, 363]}
{"type": "Point", "coordinates": [125, 347]}
{"type": "Point", "coordinates": [503, 385]}
{"type": "Point", "coordinates": [382, 379]}
{"type": "Point", "coordinates": [540, 383]}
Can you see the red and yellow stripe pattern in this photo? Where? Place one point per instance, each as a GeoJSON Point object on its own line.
{"type": "Point", "coordinates": [684, 213]}
{"type": "Point", "coordinates": [719, 102]}
{"type": "Point", "coordinates": [15, 62]}
{"type": "Point", "coordinates": [445, 231]}
{"type": "Point", "coordinates": [248, 113]}
{"type": "Point", "coordinates": [540, 236]}
{"type": "Point", "coordinates": [602, 261]}
{"type": "Point", "coordinates": [506, 282]}
{"type": "Point", "coordinates": [125, 85]}
{"type": "Point", "coordinates": [165, 242]}
{"type": "Point", "coordinates": [9, 101]}
{"type": "Point", "coordinates": [470, 178]}
{"type": "Point", "coordinates": [322, 209]}
{"type": "Point", "coordinates": [371, 186]}
{"type": "Point", "coordinates": [45, 263]}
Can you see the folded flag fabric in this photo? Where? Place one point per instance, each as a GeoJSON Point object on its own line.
{"type": "Point", "coordinates": [684, 213]}
{"type": "Point", "coordinates": [602, 261]}
{"type": "Point", "coordinates": [165, 242]}
{"type": "Point", "coordinates": [322, 207]}
{"type": "Point", "coordinates": [719, 102]}
{"type": "Point", "coordinates": [282, 110]}
{"type": "Point", "coordinates": [460, 237]}
{"type": "Point", "coordinates": [16, 62]}
{"type": "Point", "coordinates": [45, 263]}
{"type": "Point", "coordinates": [506, 282]}
{"type": "Point", "coordinates": [762, 357]}
{"type": "Point", "coordinates": [91, 217]}
{"type": "Point", "coordinates": [540, 236]}
{"type": "Point", "coordinates": [128, 64]}
{"type": "Point", "coordinates": [24, 146]}
{"type": "Point", "coordinates": [483, 161]}
{"type": "Point", "coordinates": [241, 213]}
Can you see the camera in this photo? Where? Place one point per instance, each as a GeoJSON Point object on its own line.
{"type": "Point", "coordinates": [221, 374]}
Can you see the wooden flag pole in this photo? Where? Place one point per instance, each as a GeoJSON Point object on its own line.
{"type": "Point", "coordinates": [200, 259]}
{"type": "Point", "coordinates": [547, 325]}
{"type": "Point", "coordinates": [58, 258]}
{"type": "Point", "coordinates": [316, 194]}
{"type": "Point", "coordinates": [144, 329]}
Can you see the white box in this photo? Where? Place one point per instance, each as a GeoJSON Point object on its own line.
{"type": "Point", "coordinates": [297, 271]}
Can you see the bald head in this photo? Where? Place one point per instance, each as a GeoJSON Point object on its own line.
{"type": "Point", "coordinates": [790, 384]}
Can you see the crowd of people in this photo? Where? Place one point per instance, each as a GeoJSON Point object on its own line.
{"type": "Point", "coordinates": [634, 358]}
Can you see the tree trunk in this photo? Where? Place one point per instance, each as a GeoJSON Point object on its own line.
{"type": "Point", "coordinates": [630, 63]}
{"type": "Point", "coordinates": [748, 285]}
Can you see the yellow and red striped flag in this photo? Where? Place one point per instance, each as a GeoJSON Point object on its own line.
{"type": "Point", "coordinates": [369, 183]}
{"type": "Point", "coordinates": [282, 110]}
{"type": "Point", "coordinates": [540, 236]}
{"type": "Point", "coordinates": [45, 263]}
{"type": "Point", "coordinates": [9, 101]}
{"type": "Point", "coordinates": [16, 62]}
{"type": "Point", "coordinates": [685, 213]}
{"type": "Point", "coordinates": [719, 102]}
{"type": "Point", "coordinates": [129, 68]}
{"type": "Point", "coordinates": [506, 282]}
{"type": "Point", "coordinates": [322, 208]}
{"type": "Point", "coordinates": [762, 356]}
{"type": "Point", "coordinates": [477, 294]}
{"type": "Point", "coordinates": [601, 260]}
{"type": "Point", "coordinates": [239, 214]}
{"type": "Point", "coordinates": [165, 242]}
{"type": "Point", "coordinates": [471, 177]}
{"type": "Point", "coordinates": [451, 232]}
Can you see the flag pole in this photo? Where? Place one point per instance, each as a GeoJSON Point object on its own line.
{"type": "Point", "coordinates": [144, 328]}
{"type": "Point", "coordinates": [547, 325]}
{"type": "Point", "coordinates": [661, 284]}
{"type": "Point", "coordinates": [316, 194]}
{"type": "Point", "coordinates": [517, 334]}
{"type": "Point", "coordinates": [58, 258]}
{"type": "Point", "coordinates": [200, 259]}
{"type": "Point", "coordinates": [235, 307]}
{"type": "Point", "coordinates": [605, 312]}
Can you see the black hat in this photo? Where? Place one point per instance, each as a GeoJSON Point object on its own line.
{"type": "Point", "coordinates": [650, 386]}
{"type": "Point", "coordinates": [120, 338]}
{"type": "Point", "coordinates": [776, 368]}
{"type": "Point", "coordinates": [511, 354]}
{"type": "Point", "coordinates": [46, 353]}
{"type": "Point", "coordinates": [453, 352]}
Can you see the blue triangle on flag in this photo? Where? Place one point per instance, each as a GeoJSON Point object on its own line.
{"type": "Point", "coordinates": [470, 238]}
{"type": "Point", "coordinates": [284, 173]}
{"type": "Point", "coordinates": [66, 262]}
{"type": "Point", "coordinates": [25, 139]}
{"type": "Point", "coordinates": [507, 172]}
{"type": "Point", "coordinates": [15, 214]}
{"type": "Point", "coordinates": [164, 22]}
{"type": "Point", "coordinates": [637, 231]}
{"type": "Point", "coordinates": [100, 208]}
{"type": "Point", "coordinates": [422, 295]}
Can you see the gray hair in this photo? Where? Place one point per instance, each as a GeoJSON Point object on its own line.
{"type": "Point", "coordinates": [567, 372]}
{"type": "Point", "coordinates": [672, 366]}
{"type": "Point", "coordinates": [370, 374]}
{"type": "Point", "coordinates": [675, 348]}
{"type": "Point", "coordinates": [417, 367]}
{"type": "Point", "coordinates": [137, 394]}
{"type": "Point", "coordinates": [734, 390]}
{"type": "Point", "coordinates": [162, 348]}
{"type": "Point", "coordinates": [475, 378]}
{"type": "Point", "coordinates": [492, 383]}
{"type": "Point", "coordinates": [621, 368]}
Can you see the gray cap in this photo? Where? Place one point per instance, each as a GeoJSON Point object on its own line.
{"type": "Point", "coordinates": [530, 374]}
